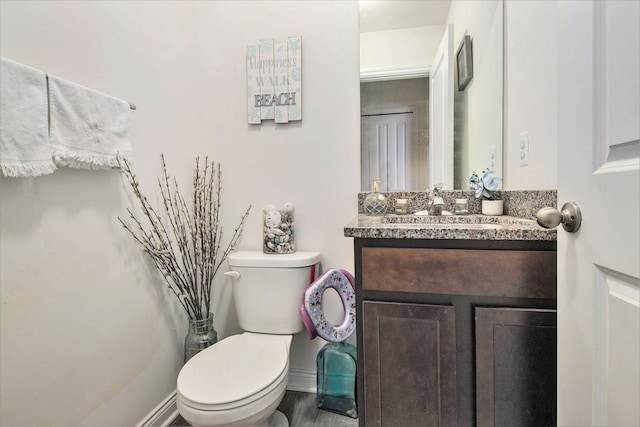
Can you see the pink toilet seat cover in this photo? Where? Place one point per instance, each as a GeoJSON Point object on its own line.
{"type": "Point", "coordinates": [311, 309]}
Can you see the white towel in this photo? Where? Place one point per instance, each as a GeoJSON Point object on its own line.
{"type": "Point", "coordinates": [88, 129]}
{"type": "Point", "coordinates": [24, 140]}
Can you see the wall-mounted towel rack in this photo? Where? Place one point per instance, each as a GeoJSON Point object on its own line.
{"type": "Point", "coordinates": [131, 106]}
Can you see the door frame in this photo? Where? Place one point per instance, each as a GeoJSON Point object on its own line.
{"type": "Point", "coordinates": [383, 74]}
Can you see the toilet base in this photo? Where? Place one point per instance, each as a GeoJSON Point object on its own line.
{"type": "Point", "coordinates": [277, 419]}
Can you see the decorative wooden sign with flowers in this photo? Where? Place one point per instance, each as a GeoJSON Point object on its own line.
{"type": "Point", "coordinates": [274, 81]}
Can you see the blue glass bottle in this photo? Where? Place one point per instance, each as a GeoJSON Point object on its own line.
{"type": "Point", "coordinates": [337, 379]}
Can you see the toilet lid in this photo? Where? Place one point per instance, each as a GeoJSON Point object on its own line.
{"type": "Point", "coordinates": [232, 371]}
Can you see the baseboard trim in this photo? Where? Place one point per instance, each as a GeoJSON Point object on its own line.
{"type": "Point", "coordinates": [302, 380]}
{"type": "Point", "coordinates": [163, 414]}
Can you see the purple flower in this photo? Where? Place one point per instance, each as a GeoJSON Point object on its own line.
{"type": "Point", "coordinates": [490, 180]}
{"type": "Point", "coordinates": [484, 187]}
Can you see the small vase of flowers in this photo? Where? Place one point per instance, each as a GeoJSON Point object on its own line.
{"type": "Point", "coordinates": [485, 188]}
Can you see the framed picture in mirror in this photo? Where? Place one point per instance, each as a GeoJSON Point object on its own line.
{"type": "Point", "coordinates": [464, 62]}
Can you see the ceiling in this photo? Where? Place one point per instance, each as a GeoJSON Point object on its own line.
{"type": "Point", "coordinates": [379, 15]}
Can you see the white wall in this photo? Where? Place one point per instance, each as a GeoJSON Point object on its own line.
{"type": "Point", "coordinates": [401, 49]}
{"type": "Point", "coordinates": [89, 336]}
{"type": "Point", "coordinates": [531, 87]}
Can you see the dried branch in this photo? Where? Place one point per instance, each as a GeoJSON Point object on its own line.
{"type": "Point", "coordinates": [184, 245]}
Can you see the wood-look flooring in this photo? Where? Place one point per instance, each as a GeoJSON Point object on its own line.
{"type": "Point", "coordinates": [301, 410]}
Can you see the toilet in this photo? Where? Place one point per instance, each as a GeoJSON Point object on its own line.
{"type": "Point", "coordinates": [241, 380]}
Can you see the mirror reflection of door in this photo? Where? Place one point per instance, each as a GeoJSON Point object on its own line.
{"type": "Point", "coordinates": [394, 134]}
{"type": "Point", "coordinates": [385, 140]}
{"type": "Point", "coordinates": [441, 135]}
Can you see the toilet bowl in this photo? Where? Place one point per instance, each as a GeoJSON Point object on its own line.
{"type": "Point", "coordinates": [241, 380]}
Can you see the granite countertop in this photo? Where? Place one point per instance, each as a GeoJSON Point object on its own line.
{"type": "Point", "coordinates": [468, 227]}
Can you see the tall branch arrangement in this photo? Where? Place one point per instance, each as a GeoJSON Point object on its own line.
{"type": "Point", "coordinates": [184, 240]}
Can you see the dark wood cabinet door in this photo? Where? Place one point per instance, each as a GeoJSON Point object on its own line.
{"type": "Point", "coordinates": [515, 367]}
{"type": "Point", "coordinates": [409, 353]}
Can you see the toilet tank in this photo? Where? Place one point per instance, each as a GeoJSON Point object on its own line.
{"type": "Point", "coordinates": [268, 289]}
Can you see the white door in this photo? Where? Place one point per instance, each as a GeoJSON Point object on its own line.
{"type": "Point", "coordinates": [598, 273]}
{"type": "Point", "coordinates": [386, 144]}
{"type": "Point", "coordinates": [441, 114]}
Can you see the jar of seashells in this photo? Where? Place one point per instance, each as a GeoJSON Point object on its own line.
{"type": "Point", "coordinates": [279, 236]}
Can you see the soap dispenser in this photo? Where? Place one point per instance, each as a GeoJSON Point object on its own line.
{"type": "Point", "coordinates": [375, 203]}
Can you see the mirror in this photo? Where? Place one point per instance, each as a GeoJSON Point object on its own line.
{"type": "Point", "coordinates": [399, 40]}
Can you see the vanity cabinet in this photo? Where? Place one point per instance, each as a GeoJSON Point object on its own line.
{"type": "Point", "coordinates": [515, 367]}
{"type": "Point", "coordinates": [410, 364]}
{"type": "Point", "coordinates": [456, 332]}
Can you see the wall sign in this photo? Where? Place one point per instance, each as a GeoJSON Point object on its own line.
{"type": "Point", "coordinates": [274, 81]}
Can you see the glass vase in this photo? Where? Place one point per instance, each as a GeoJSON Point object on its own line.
{"type": "Point", "coordinates": [278, 230]}
{"type": "Point", "coordinates": [200, 336]}
{"type": "Point", "coordinates": [337, 379]}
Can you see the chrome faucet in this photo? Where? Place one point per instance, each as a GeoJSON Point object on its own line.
{"type": "Point", "coordinates": [436, 202]}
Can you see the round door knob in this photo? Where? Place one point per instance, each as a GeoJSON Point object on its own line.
{"type": "Point", "coordinates": [570, 217]}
